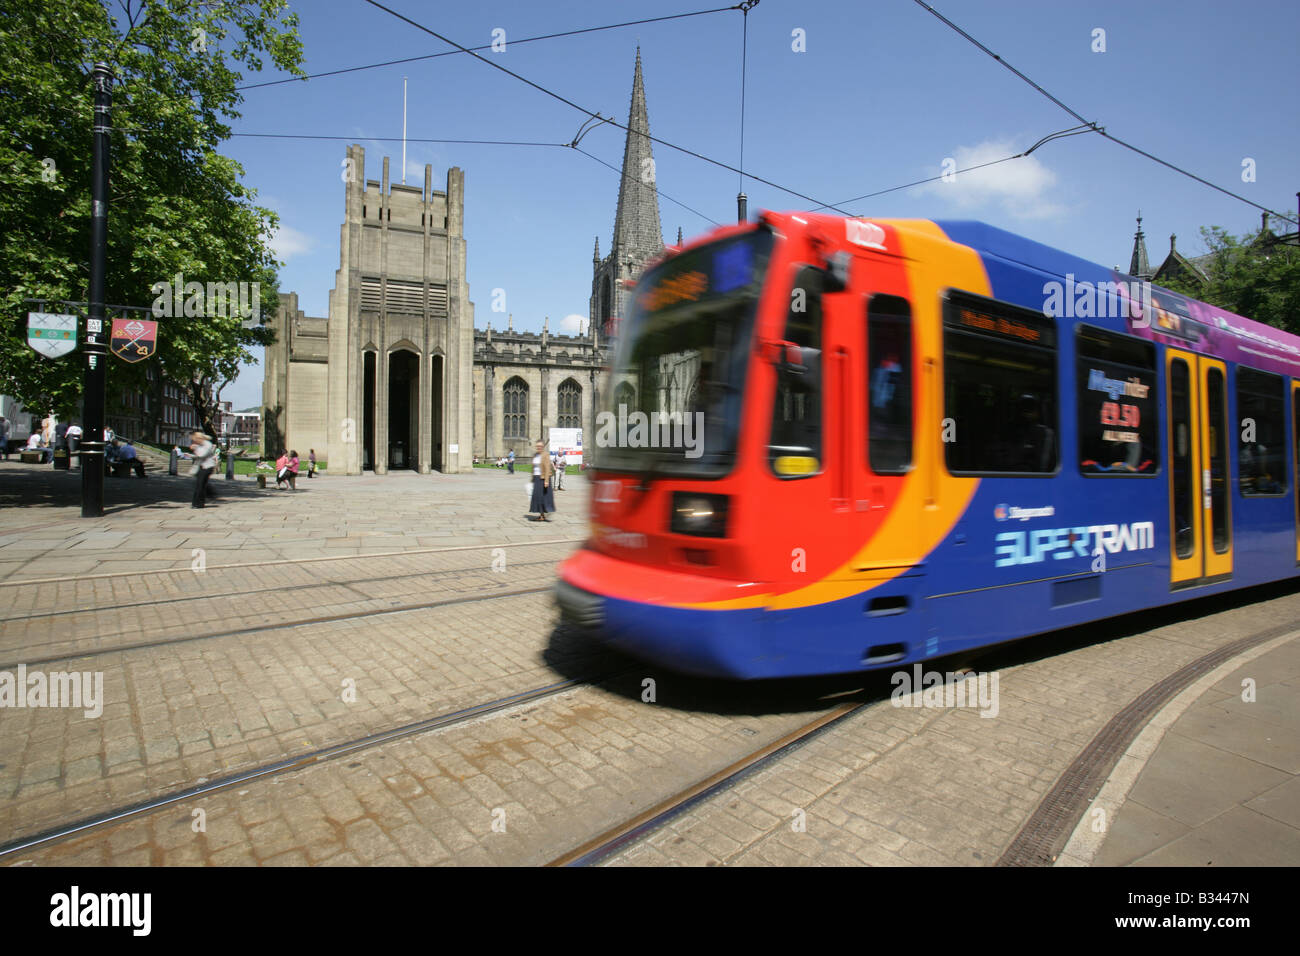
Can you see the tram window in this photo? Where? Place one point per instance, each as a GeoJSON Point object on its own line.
{"type": "Point", "coordinates": [1261, 448]}
{"type": "Point", "coordinates": [1000, 406]}
{"type": "Point", "coordinates": [1116, 395]}
{"type": "Point", "coordinates": [889, 415]}
{"type": "Point", "coordinates": [1180, 428]}
{"type": "Point", "coordinates": [795, 448]}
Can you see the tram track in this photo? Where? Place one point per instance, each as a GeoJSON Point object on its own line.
{"type": "Point", "coordinates": [439, 722]}
{"type": "Point", "coordinates": [274, 562]}
{"type": "Point", "coordinates": [275, 626]}
{"type": "Point", "coordinates": [638, 827]}
{"type": "Point", "coordinates": [245, 593]}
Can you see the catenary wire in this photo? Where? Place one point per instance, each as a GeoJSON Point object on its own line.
{"type": "Point", "coordinates": [486, 46]}
{"type": "Point", "coordinates": [1094, 125]}
{"type": "Point", "coordinates": [657, 190]}
{"type": "Point", "coordinates": [582, 109]}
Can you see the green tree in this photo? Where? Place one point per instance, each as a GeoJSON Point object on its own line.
{"type": "Point", "coordinates": [176, 205]}
{"type": "Point", "coordinates": [1254, 276]}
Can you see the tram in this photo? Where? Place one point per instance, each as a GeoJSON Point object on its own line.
{"type": "Point", "coordinates": [838, 444]}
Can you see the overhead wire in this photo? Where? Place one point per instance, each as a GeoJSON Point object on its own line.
{"type": "Point", "coordinates": [582, 109]}
{"type": "Point", "coordinates": [1095, 127]}
{"type": "Point", "coordinates": [1061, 134]}
{"type": "Point", "coordinates": [486, 46]}
{"type": "Point", "coordinates": [659, 192]}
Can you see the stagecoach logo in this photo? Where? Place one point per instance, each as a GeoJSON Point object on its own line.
{"type": "Point", "coordinates": [1003, 513]}
{"type": "Point", "coordinates": [862, 233]}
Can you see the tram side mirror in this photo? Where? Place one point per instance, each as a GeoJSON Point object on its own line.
{"type": "Point", "coordinates": [835, 276]}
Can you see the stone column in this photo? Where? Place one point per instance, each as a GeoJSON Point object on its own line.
{"type": "Point", "coordinates": [489, 396]}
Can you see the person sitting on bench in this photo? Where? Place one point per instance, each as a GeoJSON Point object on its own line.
{"type": "Point", "coordinates": [127, 457]}
{"type": "Point", "coordinates": [34, 444]}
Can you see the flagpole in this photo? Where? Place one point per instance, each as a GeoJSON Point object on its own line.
{"type": "Point", "coordinates": [403, 131]}
{"type": "Point", "coordinates": [92, 446]}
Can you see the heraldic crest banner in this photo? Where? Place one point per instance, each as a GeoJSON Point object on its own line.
{"type": "Point", "coordinates": [51, 335]}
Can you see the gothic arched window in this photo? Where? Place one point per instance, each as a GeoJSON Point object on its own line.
{"type": "Point", "coordinates": [625, 395]}
{"type": "Point", "coordinates": [515, 411]}
{"type": "Point", "coordinates": [570, 404]}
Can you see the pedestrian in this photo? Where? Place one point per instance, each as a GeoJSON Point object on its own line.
{"type": "Point", "coordinates": [4, 437]}
{"type": "Point", "coordinates": [510, 462]}
{"type": "Point", "coordinates": [311, 462]}
{"type": "Point", "coordinates": [559, 471]}
{"type": "Point", "coordinates": [543, 501]}
{"type": "Point", "coordinates": [281, 469]}
{"type": "Point", "coordinates": [292, 469]}
{"type": "Point", "coordinates": [205, 462]}
{"type": "Point", "coordinates": [74, 443]}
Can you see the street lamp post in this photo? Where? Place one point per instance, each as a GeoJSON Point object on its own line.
{"type": "Point", "coordinates": [96, 352]}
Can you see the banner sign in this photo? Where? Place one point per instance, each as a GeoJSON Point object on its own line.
{"type": "Point", "coordinates": [51, 335]}
{"type": "Point", "coordinates": [133, 340]}
{"type": "Point", "coordinates": [568, 443]}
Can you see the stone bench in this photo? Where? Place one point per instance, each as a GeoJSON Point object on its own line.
{"type": "Point", "coordinates": [33, 457]}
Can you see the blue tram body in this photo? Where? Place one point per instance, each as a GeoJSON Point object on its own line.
{"type": "Point", "coordinates": [1073, 447]}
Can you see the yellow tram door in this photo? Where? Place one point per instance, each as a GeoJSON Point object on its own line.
{"type": "Point", "coordinates": [1200, 538]}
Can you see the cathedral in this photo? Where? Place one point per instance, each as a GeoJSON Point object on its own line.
{"type": "Point", "coordinates": [398, 377]}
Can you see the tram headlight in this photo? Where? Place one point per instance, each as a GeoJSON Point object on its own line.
{"type": "Point", "coordinates": [702, 515]}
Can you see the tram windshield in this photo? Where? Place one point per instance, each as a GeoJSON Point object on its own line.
{"type": "Point", "coordinates": [674, 401]}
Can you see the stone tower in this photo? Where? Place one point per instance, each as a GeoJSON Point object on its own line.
{"type": "Point", "coordinates": [638, 235]}
{"type": "Point", "coordinates": [385, 382]}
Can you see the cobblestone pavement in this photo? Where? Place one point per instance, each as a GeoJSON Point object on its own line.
{"type": "Point", "coordinates": [361, 604]}
{"type": "Point", "coordinates": [948, 787]}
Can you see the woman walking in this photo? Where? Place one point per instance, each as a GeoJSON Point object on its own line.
{"type": "Point", "coordinates": [543, 473]}
{"type": "Point", "coordinates": [311, 463]}
{"type": "Point", "coordinates": [205, 460]}
{"type": "Point", "coordinates": [291, 471]}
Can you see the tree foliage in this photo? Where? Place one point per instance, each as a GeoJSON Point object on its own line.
{"type": "Point", "coordinates": [1254, 276]}
{"type": "Point", "coordinates": [176, 205]}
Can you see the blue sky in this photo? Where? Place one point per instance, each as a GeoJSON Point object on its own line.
{"type": "Point", "coordinates": [882, 94]}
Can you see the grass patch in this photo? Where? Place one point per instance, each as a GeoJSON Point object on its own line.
{"type": "Point", "coordinates": [525, 468]}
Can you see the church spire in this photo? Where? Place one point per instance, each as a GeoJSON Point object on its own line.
{"type": "Point", "coordinates": [637, 233]}
{"type": "Point", "coordinates": [1139, 267]}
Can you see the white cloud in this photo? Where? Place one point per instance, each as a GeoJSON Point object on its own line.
{"type": "Point", "coordinates": [286, 241]}
{"type": "Point", "coordinates": [1024, 188]}
{"type": "Point", "coordinates": [573, 323]}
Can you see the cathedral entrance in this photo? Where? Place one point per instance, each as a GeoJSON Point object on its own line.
{"type": "Point", "coordinates": [435, 416]}
{"type": "Point", "coordinates": [403, 409]}
{"type": "Point", "coordinates": [368, 412]}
